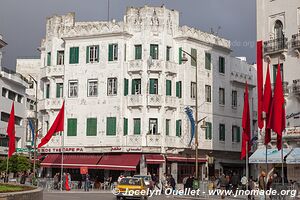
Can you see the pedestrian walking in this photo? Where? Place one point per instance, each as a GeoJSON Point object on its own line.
{"type": "Point", "coordinates": [56, 181]}
{"type": "Point", "coordinates": [87, 183]}
{"type": "Point", "coordinates": [172, 182]}
{"type": "Point", "coordinates": [155, 181]}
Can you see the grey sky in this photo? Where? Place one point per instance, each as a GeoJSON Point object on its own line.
{"type": "Point", "coordinates": [22, 22]}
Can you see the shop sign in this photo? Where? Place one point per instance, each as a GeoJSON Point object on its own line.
{"type": "Point", "coordinates": [83, 170]}
{"type": "Point", "coordinates": [59, 150]}
{"type": "Point", "coordinates": [293, 131]}
{"type": "Point", "coordinates": [116, 149]}
{"type": "Point", "coordinates": [292, 115]}
{"type": "Point", "coordinates": [134, 149]}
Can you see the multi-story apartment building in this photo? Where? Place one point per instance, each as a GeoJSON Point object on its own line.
{"type": "Point", "coordinates": [12, 89]}
{"type": "Point", "coordinates": [278, 25]}
{"type": "Point", "coordinates": [126, 88]}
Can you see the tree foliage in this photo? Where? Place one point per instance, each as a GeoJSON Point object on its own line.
{"type": "Point", "coordinates": [17, 163]}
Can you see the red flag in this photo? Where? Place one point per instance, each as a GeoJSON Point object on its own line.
{"type": "Point", "coordinates": [246, 125]}
{"type": "Point", "coordinates": [57, 126]}
{"type": "Point", "coordinates": [259, 71]}
{"type": "Point", "coordinates": [267, 105]}
{"type": "Point", "coordinates": [277, 113]}
{"type": "Point", "coordinates": [11, 132]}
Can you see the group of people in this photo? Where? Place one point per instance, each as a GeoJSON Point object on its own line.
{"type": "Point", "coordinates": [67, 182]}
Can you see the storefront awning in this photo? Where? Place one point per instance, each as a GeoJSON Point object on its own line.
{"type": "Point", "coordinates": [180, 158]}
{"type": "Point", "coordinates": [273, 155]}
{"type": "Point", "coordinates": [154, 158]}
{"type": "Point", "coordinates": [71, 161]}
{"type": "Point", "coordinates": [126, 162]}
{"type": "Point", "coordinates": [293, 157]}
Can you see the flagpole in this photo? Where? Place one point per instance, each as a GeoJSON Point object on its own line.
{"type": "Point", "coordinates": [62, 160]}
{"type": "Point", "coordinates": [6, 177]}
{"type": "Point", "coordinates": [247, 165]}
{"type": "Point", "coordinates": [282, 170]}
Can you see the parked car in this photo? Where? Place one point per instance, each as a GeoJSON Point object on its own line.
{"type": "Point", "coordinates": [132, 184]}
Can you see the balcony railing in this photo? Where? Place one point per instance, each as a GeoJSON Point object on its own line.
{"type": "Point", "coordinates": [153, 140]}
{"type": "Point", "coordinates": [275, 46]}
{"type": "Point", "coordinates": [155, 66]}
{"type": "Point", "coordinates": [50, 104]}
{"type": "Point", "coordinates": [154, 100]}
{"type": "Point", "coordinates": [284, 87]}
{"type": "Point", "coordinates": [53, 71]}
{"type": "Point", "coordinates": [170, 102]}
{"type": "Point", "coordinates": [296, 40]}
{"type": "Point", "coordinates": [171, 67]}
{"type": "Point", "coordinates": [135, 101]}
{"type": "Point", "coordinates": [135, 66]}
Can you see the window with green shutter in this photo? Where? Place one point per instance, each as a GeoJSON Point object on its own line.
{"type": "Point", "coordinates": [222, 132]}
{"type": "Point", "coordinates": [136, 126]}
{"type": "Point", "coordinates": [72, 127]}
{"type": "Point", "coordinates": [208, 61]}
{"type": "Point", "coordinates": [138, 52]}
{"type": "Point", "coordinates": [168, 122]}
{"type": "Point", "coordinates": [112, 52]}
{"type": "Point", "coordinates": [92, 54]}
{"type": "Point", "coordinates": [47, 91]}
{"type": "Point", "coordinates": [74, 55]}
{"type": "Point", "coordinates": [111, 126]}
{"type": "Point", "coordinates": [91, 127]}
{"type": "Point", "coordinates": [222, 65]}
{"type": "Point", "coordinates": [238, 138]}
{"type": "Point", "coordinates": [153, 86]}
{"type": "Point", "coordinates": [125, 87]}
{"type": "Point", "coordinates": [194, 55]}
{"type": "Point", "coordinates": [208, 131]}
{"type": "Point", "coordinates": [168, 87]}
{"type": "Point", "coordinates": [48, 58]}
{"type": "Point", "coordinates": [168, 53]}
{"type": "Point", "coordinates": [178, 89]}
{"type": "Point", "coordinates": [178, 128]}
{"type": "Point", "coordinates": [180, 55]}
{"type": "Point", "coordinates": [125, 126]}
{"type": "Point", "coordinates": [59, 90]}
{"type": "Point", "coordinates": [236, 135]}
{"type": "Point", "coordinates": [154, 51]}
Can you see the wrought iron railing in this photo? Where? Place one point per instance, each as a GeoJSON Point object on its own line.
{"type": "Point", "coordinates": [296, 40]}
{"type": "Point", "coordinates": [275, 45]}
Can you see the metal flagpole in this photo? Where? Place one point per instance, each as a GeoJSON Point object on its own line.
{"type": "Point", "coordinates": [62, 160]}
{"type": "Point", "coordinates": [6, 177]}
{"type": "Point", "coordinates": [282, 171]}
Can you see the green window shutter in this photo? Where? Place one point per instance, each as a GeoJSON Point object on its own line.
{"type": "Point", "coordinates": [125, 87]}
{"type": "Point", "coordinates": [98, 53]}
{"type": "Point", "coordinates": [111, 124]}
{"type": "Point", "coordinates": [238, 134]}
{"type": "Point", "coordinates": [152, 51]}
{"type": "Point", "coordinates": [58, 90]}
{"type": "Point", "coordinates": [152, 89]}
{"type": "Point", "coordinates": [194, 54]}
{"type": "Point", "coordinates": [72, 127]}
{"type": "Point", "coordinates": [87, 54]}
{"type": "Point", "coordinates": [47, 91]}
{"type": "Point", "coordinates": [167, 126]}
{"type": "Point", "coordinates": [168, 87]}
{"type": "Point", "coordinates": [137, 126]}
{"type": "Point", "coordinates": [222, 132]}
{"type": "Point", "coordinates": [125, 126]}
{"type": "Point", "coordinates": [133, 84]}
{"type": "Point", "coordinates": [71, 58]}
{"type": "Point", "coordinates": [91, 127]}
{"type": "Point", "coordinates": [110, 52]}
{"type": "Point", "coordinates": [180, 55]}
{"type": "Point", "coordinates": [74, 55]}
{"type": "Point", "coordinates": [221, 64]}
{"type": "Point", "coordinates": [48, 58]}
{"type": "Point", "coordinates": [208, 134]}
{"type": "Point", "coordinates": [208, 61]}
{"type": "Point", "coordinates": [178, 128]}
{"type": "Point", "coordinates": [178, 89]}
{"type": "Point", "coordinates": [138, 52]}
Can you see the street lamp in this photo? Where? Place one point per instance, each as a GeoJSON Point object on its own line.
{"type": "Point", "coordinates": [35, 129]}
{"type": "Point", "coordinates": [184, 59]}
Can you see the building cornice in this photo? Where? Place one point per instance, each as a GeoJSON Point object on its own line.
{"type": "Point", "coordinates": [2, 43]}
{"type": "Point", "coordinates": [105, 35]}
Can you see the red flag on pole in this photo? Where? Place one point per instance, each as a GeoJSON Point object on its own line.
{"type": "Point", "coordinates": [11, 132]}
{"type": "Point", "coordinates": [57, 126]}
{"type": "Point", "coordinates": [277, 112]}
{"type": "Point", "coordinates": [246, 125]}
{"type": "Point", "coordinates": [267, 105]}
{"type": "Point", "coordinates": [259, 71]}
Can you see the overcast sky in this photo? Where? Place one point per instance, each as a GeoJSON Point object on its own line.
{"type": "Point", "coordinates": [23, 22]}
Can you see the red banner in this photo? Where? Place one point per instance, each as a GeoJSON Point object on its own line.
{"type": "Point", "coordinates": [259, 61]}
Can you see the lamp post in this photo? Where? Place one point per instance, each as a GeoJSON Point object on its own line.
{"type": "Point", "coordinates": [184, 59]}
{"type": "Point", "coordinates": [35, 128]}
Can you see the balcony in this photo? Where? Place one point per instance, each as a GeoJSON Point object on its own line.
{"type": "Point", "coordinates": [154, 140]}
{"type": "Point", "coordinates": [52, 71]}
{"type": "Point", "coordinates": [295, 88]}
{"type": "Point", "coordinates": [170, 102]}
{"type": "Point", "coordinates": [155, 66]}
{"type": "Point", "coordinates": [154, 100]}
{"type": "Point", "coordinates": [275, 46]}
{"type": "Point", "coordinates": [134, 140]}
{"type": "Point", "coordinates": [284, 87]}
{"type": "Point", "coordinates": [50, 104]}
{"type": "Point", "coordinates": [135, 101]}
{"type": "Point", "coordinates": [174, 141]}
{"type": "Point", "coordinates": [296, 41]}
{"type": "Point", "coordinates": [171, 68]}
{"type": "Point", "coordinates": [135, 66]}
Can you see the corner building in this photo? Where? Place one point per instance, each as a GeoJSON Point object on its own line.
{"type": "Point", "coordinates": [126, 89]}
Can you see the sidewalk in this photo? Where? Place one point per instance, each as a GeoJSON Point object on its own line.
{"type": "Point", "coordinates": [78, 191]}
{"type": "Point", "coordinates": [211, 197]}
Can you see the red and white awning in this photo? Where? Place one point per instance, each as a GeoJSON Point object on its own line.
{"type": "Point", "coordinates": [154, 159]}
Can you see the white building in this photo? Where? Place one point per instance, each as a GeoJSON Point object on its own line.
{"type": "Point", "coordinates": [278, 25]}
{"type": "Point", "coordinates": [12, 87]}
{"type": "Point", "coordinates": [126, 89]}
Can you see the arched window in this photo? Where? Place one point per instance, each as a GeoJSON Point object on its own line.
{"type": "Point", "coordinates": [278, 29]}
